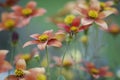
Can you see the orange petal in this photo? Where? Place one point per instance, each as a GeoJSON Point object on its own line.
{"type": "Point", "coordinates": [21, 64]}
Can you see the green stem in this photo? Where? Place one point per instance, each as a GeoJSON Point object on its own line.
{"type": "Point", "coordinates": [64, 57]}
{"type": "Point", "coordinates": [48, 70]}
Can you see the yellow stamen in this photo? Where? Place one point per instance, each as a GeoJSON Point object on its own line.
{"type": "Point", "coordinates": [74, 29]}
{"type": "Point", "coordinates": [69, 19]}
{"type": "Point", "coordinates": [41, 77]}
{"type": "Point", "coordinates": [19, 73]}
{"type": "Point", "coordinates": [27, 11]}
{"type": "Point", "coordinates": [9, 23]}
{"type": "Point", "coordinates": [93, 14]}
{"type": "Point", "coordinates": [43, 37]}
{"type": "Point", "coordinates": [94, 71]}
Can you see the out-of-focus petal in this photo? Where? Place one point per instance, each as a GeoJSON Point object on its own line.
{"type": "Point", "coordinates": [42, 46]}
{"type": "Point", "coordinates": [31, 4]}
{"type": "Point", "coordinates": [39, 12]}
{"type": "Point", "coordinates": [63, 26]}
{"type": "Point", "coordinates": [105, 14]}
{"type": "Point", "coordinates": [60, 35]}
{"type": "Point", "coordinates": [108, 74]}
{"type": "Point", "coordinates": [21, 64]}
{"type": "Point", "coordinates": [103, 25]}
{"type": "Point", "coordinates": [49, 32]}
{"type": "Point", "coordinates": [82, 9]}
{"type": "Point", "coordinates": [38, 70]}
{"type": "Point", "coordinates": [17, 8]}
{"type": "Point", "coordinates": [4, 16]}
{"type": "Point", "coordinates": [5, 66]}
{"type": "Point", "coordinates": [30, 43]}
{"type": "Point", "coordinates": [86, 21]}
{"type": "Point", "coordinates": [11, 77]}
{"type": "Point", "coordinates": [76, 21]}
{"type": "Point", "coordinates": [55, 43]}
{"type": "Point", "coordinates": [95, 4]}
{"type": "Point", "coordinates": [35, 36]}
{"type": "Point", "coordinates": [109, 3]}
{"type": "Point", "coordinates": [3, 54]}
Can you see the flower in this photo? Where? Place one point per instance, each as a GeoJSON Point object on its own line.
{"type": "Point", "coordinates": [68, 62]}
{"type": "Point", "coordinates": [9, 23]}
{"type": "Point", "coordinates": [71, 25]}
{"type": "Point", "coordinates": [93, 13]}
{"type": "Point", "coordinates": [96, 72]}
{"type": "Point", "coordinates": [84, 39]}
{"type": "Point", "coordinates": [26, 13]}
{"type": "Point", "coordinates": [4, 65]}
{"type": "Point", "coordinates": [114, 29]}
{"type": "Point", "coordinates": [42, 40]}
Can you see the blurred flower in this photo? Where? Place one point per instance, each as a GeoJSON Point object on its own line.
{"type": "Point", "coordinates": [26, 13]}
{"type": "Point", "coordinates": [8, 3]}
{"type": "Point", "coordinates": [72, 25]}
{"type": "Point", "coordinates": [27, 57]}
{"type": "Point", "coordinates": [68, 62]}
{"type": "Point", "coordinates": [84, 39]}
{"type": "Point", "coordinates": [96, 72]}
{"type": "Point", "coordinates": [9, 23]}
{"type": "Point", "coordinates": [22, 74]}
{"type": "Point", "coordinates": [93, 13]}
{"type": "Point", "coordinates": [4, 65]}
{"type": "Point", "coordinates": [44, 62]}
{"type": "Point", "coordinates": [114, 29]}
{"type": "Point", "coordinates": [42, 40]}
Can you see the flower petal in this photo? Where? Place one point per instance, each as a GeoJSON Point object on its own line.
{"type": "Point", "coordinates": [76, 21]}
{"type": "Point", "coordinates": [95, 4]}
{"type": "Point", "coordinates": [35, 36]}
{"type": "Point", "coordinates": [39, 12]}
{"type": "Point", "coordinates": [86, 21]}
{"type": "Point", "coordinates": [38, 70]}
{"type": "Point", "coordinates": [60, 35]}
{"type": "Point", "coordinates": [5, 67]}
{"type": "Point", "coordinates": [63, 26]}
{"type": "Point", "coordinates": [42, 46]}
{"type": "Point", "coordinates": [3, 54]}
{"type": "Point", "coordinates": [17, 8]}
{"type": "Point", "coordinates": [109, 3]}
{"type": "Point", "coordinates": [55, 43]}
{"type": "Point", "coordinates": [21, 64]}
{"type": "Point", "coordinates": [30, 43]}
{"type": "Point", "coordinates": [49, 33]}
{"type": "Point", "coordinates": [103, 25]}
{"type": "Point", "coordinates": [31, 4]}
{"type": "Point", "coordinates": [82, 9]}
{"type": "Point", "coordinates": [105, 14]}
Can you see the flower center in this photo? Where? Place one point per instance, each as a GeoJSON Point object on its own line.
{"type": "Point", "coordinates": [9, 23]}
{"type": "Point", "coordinates": [67, 63]}
{"type": "Point", "coordinates": [19, 73]}
{"type": "Point", "coordinates": [43, 37]}
{"type": "Point", "coordinates": [27, 11]}
{"type": "Point", "coordinates": [93, 14]}
{"type": "Point", "coordinates": [74, 29]}
{"type": "Point", "coordinates": [94, 71]}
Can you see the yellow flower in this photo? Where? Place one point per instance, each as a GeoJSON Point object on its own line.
{"type": "Point", "coordinates": [69, 19]}
{"type": "Point", "coordinates": [44, 62]}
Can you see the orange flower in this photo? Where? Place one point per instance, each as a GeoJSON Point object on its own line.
{"type": "Point", "coordinates": [97, 72]}
{"type": "Point", "coordinates": [26, 13]}
{"type": "Point", "coordinates": [93, 13]}
{"type": "Point", "coordinates": [9, 23]}
{"type": "Point", "coordinates": [47, 38]}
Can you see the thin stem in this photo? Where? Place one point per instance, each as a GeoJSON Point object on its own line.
{"type": "Point", "coordinates": [48, 70]}
{"type": "Point", "coordinates": [63, 57]}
